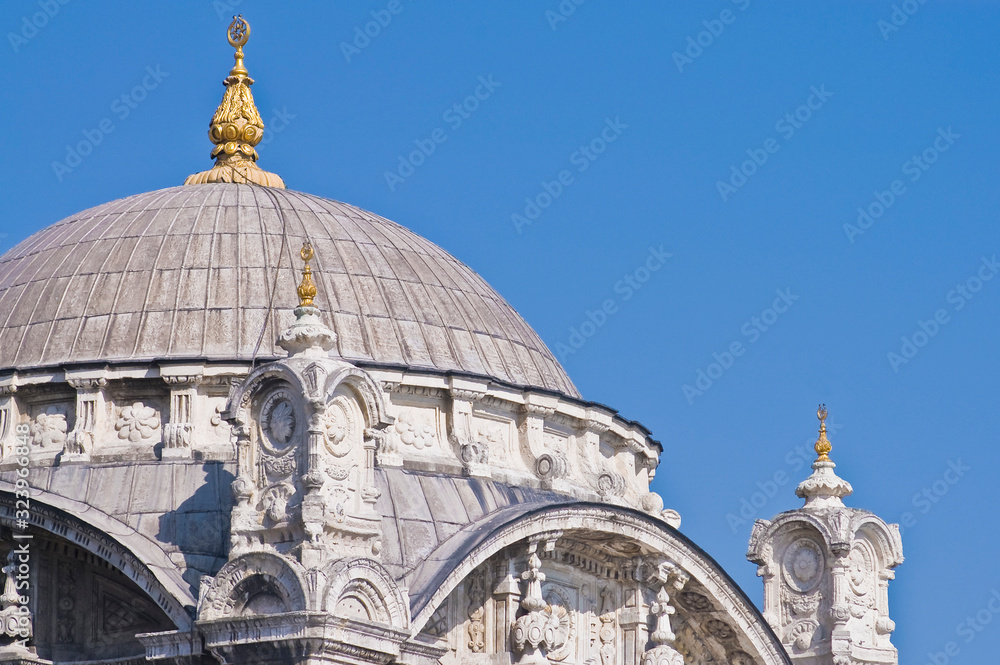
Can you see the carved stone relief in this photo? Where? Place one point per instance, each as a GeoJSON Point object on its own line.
{"type": "Point", "coordinates": [137, 423]}
{"type": "Point", "coordinates": [49, 426]}
{"type": "Point", "coordinates": [415, 428]}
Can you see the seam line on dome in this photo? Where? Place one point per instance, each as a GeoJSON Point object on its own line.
{"type": "Point", "coordinates": [277, 268]}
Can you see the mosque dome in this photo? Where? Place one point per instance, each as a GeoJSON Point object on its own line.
{"type": "Point", "coordinates": [204, 272]}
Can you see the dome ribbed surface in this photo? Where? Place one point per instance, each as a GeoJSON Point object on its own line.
{"type": "Point", "coordinates": [187, 273]}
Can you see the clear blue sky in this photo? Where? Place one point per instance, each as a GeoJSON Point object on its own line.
{"type": "Point", "coordinates": [878, 98]}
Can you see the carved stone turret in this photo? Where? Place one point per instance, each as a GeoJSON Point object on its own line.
{"type": "Point", "coordinates": [826, 570]}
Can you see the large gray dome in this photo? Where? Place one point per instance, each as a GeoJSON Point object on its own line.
{"type": "Point", "coordinates": [187, 272]}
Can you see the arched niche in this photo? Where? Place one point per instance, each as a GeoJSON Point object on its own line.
{"type": "Point", "coordinates": [252, 584]}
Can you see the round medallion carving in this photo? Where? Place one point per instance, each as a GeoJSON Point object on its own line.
{"type": "Point", "coordinates": [278, 420]}
{"type": "Point", "coordinates": [860, 570]}
{"type": "Point", "coordinates": [695, 602]}
{"type": "Point", "coordinates": [718, 629]}
{"type": "Point", "coordinates": [803, 565]}
{"type": "Point", "coordinates": [337, 428]}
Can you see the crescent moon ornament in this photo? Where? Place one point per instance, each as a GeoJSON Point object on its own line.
{"type": "Point", "coordinates": [239, 31]}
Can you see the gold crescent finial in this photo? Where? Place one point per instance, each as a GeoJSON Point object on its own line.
{"type": "Point", "coordinates": [239, 32]}
{"type": "Point", "coordinates": [236, 128]}
{"type": "Point", "coordinates": [823, 445]}
{"type": "Point", "coordinates": [307, 287]}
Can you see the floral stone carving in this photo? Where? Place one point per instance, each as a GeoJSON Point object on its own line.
{"type": "Point", "coordinates": [137, 423]}
{"type": "Point", "coordinates": [412, 433]}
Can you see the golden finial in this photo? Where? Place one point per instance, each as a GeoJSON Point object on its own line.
{"type": "Point", "coordinates": [238, 34]}
{"type": "Point", "coordinates": [236, 126]}
{"type": "Point", "coordinates": [307, 287]}
{"type": "Point", "coordinates": [823, 445]}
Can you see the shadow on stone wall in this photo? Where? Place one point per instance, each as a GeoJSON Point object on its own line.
{"type": "Point", "coordinates": [199, 525]}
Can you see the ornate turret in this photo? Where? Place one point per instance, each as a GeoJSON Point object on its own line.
{"type": "Point", "coordinates": [236, 126]}
{"type": "Point", "coordinates": [826, 570]}
{"type": "Point", "coordinates": [823, 488]}
{"type": "Point", "coordinates": [308, 335]}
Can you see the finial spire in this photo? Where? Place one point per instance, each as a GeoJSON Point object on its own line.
{"type": "Point", "coordinates": [823, 445]}
{"type": "Point", "coordinates": [308, 335]}
{"type": "Point", "coordinates": [236, 126]}
{"type": "Point", "coordinates": [307, 287]}
{"type": "Point", "coordinates": [824, 488]}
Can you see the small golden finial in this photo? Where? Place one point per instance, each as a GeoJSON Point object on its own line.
{"type": "Point", "coordinates": [307, 287]}
{"type": "Point", "coordinates": [238, 34]}
{"type": "Point", "coordinates": [236, 128]}
{"type": "Point", "coordinates": [823, 445]}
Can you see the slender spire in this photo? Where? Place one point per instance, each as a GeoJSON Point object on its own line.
{"type": "Point", "coordinates": [824, 488]}
{"type": "Point", "coordinates": [823, 445]}
{"type": "Point", "coordinates": [308, 335]}
{"type": "Point", "coordinates": [307, 287]}
{"type": "Point", "coordinates": [236, 126]}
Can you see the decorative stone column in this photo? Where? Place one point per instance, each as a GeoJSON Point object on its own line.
{"type": "Point", "coordinates": [535, 631]}
{"type": "Point", "coordinates": [90, 402]}
{"type": "Point", "coordinates": [461, 432]}
{"type": "Point", "coordinates": [663, 636]}
{"type": "Point", "coordinates": [15, 617]}
{"type": "Point", "coordinates": [179, 431]}
{"type": "Point", "coordinates": [8, 417]}
{"type": "Point", "coordinates": [506, 599]}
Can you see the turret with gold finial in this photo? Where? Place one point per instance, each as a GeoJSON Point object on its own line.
{"type": "Point", "coordinates": [308, 336]}
{"type": "Point", "coordinates": [236, 128]}
{"type": "Point", "coordinates": [826, 570]}
{"type": "Point", "coordinates": [823, 488]}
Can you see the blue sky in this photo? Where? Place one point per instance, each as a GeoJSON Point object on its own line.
{"type": "Point", "coordinates": [742, 157]}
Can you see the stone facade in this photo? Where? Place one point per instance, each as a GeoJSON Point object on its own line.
{"type": "Point", "coordinates": [309, 509]}
{"type": "Point", "coordinates": [315, 507]}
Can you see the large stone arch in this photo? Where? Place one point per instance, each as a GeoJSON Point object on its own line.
{"type": "Point", "coordinates": [456, 559]}
{"type": "Point", "coordinates": [134, 555]}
